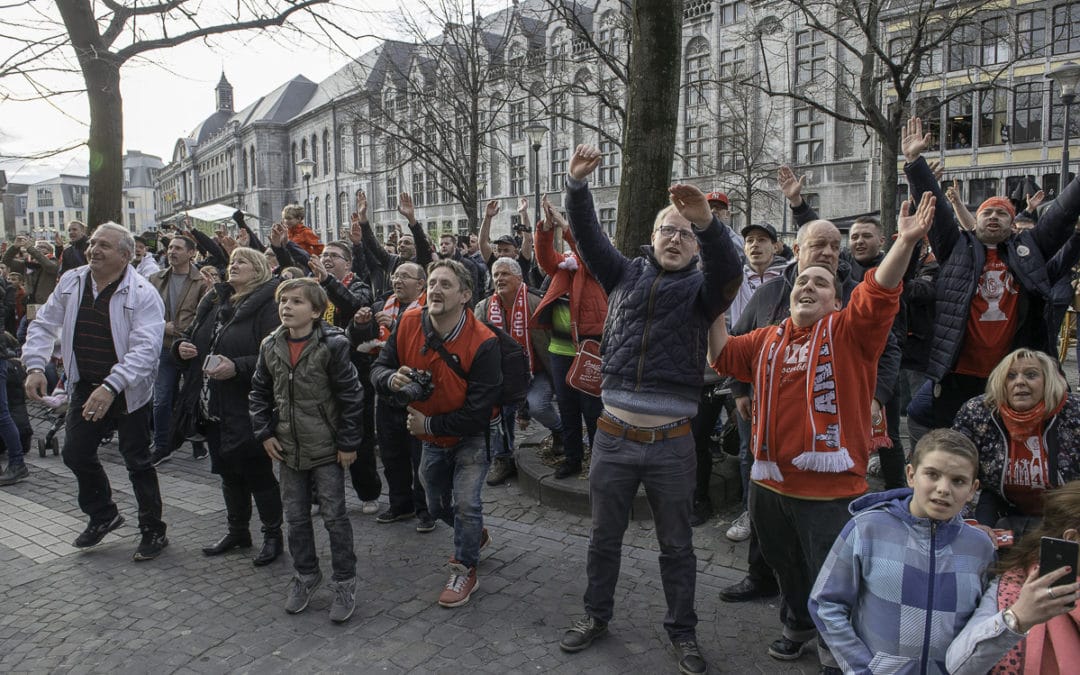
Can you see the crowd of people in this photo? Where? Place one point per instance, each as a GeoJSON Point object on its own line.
{"type": "Point", "coordinates": [294, 363]}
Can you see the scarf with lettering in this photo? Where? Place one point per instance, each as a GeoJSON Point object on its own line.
{"type": "Point", "coordinates": [825, 453]}
{"type": "Point", "coordinates": [328, 315]}
{"type": "Point", "coordinates": [518, 327]}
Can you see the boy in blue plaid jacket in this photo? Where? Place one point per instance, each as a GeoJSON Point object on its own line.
{"type": "Point", "coordinates": [906, 573]}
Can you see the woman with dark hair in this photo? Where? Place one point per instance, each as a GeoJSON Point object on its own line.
{"type": "Point", "coordinates": [1025, 624]}
{"type": "Point", "coordinates": [220, 352]}
{"type": "Point", "coordinates": [1027, 429]}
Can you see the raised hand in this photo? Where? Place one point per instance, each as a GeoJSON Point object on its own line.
{"type": "Point", "coordinates": [228, 244]}
{"type": "Point", "coordinates": [1033, 201]}
{"type": "Point", "coordinates": [548, 221]}
{"type": "Point", "coordinates": [913, 228]}
{"type": "Point", "coordinates": [356, 235]}
{"type": "Point", "coordinates": [491, 209]}
{"type": "Point", "coordinates": [585, 160]}
{"type": "Point", "coordinates": [691, 204]}
{"type": "Point", "coordinates": [791, 185]}
{"type": "Point", "coordinates": [278, 235]}
{"type": "Point", "coordinates": [406, 208]}
{"type": "Point", "coordinates": [913, 142]}
{"type": "Point", "coordinates": [315, 263]}
{"type": "Point", "coordinates": [952, 194]}
{"type": "Point", "coordinates": [361, 206]}
{"type": "Point", "coordinates": [243, 238]}
{"type": "Point", "coordinates": [938, 169]}
{"type": "Point", "coordinates": [523, 204]}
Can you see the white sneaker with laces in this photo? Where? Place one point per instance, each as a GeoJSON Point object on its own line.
{"type": "Point", "coordinates": [740, 528]}
{"type": "Point", "coordinates": [369, 508]}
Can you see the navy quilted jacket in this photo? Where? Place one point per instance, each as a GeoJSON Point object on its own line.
{"type": "Point", "coordinates": [656, 333]}
{"type": "Point", "coordinates": [962, 257]}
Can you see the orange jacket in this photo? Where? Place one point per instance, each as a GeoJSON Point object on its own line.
{"type": "Point", "coordinates": [588, 301]}
{"type": "Point", "coordinates": [305, 238]}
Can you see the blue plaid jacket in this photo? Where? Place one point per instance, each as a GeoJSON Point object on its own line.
{"type": "Point", "coordinates": [896, 589]}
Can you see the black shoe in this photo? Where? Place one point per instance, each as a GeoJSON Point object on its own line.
{"type": "Point", "coordinates": [748, 589]}
{"type": "Point", "coordinates": [568, 469]}
{"type": "Point", "coordinates": [581, 634]}
{"type": "Point", "coordinates": [787, 650]}
{"type": "Point", "coordinates": [702, 512]}
{"type": "Point", "coordinates": [424, 522]}
{"type": "Point", "coordinates": [392, 516]}
{"type": "Point", "coordinates": [272, 548]}
{"type": "Point", "coordinates": [690, 660]}
{"type": "Point", "coordinates": [95, 532]}
{"type": "Point", "coordinates": [198, 450]}
{"type": "Point", "coordinates": [14, 473]}
{"type": "Point", "coordinates": [159, 456]}
{"type": "Point", "coordinates": [502, 470]}
{"type": "Point", "coordinates": [151, 546]}
{"type": "Point", "coordinates": [227, 543]}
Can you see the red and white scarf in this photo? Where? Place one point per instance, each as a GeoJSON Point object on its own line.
{"type": "Point", "coordinates": [392, 306]}
{"type": "Point", "coordinates": [826, 454]}
{"type": "Point", "coordinates": [519, 320]}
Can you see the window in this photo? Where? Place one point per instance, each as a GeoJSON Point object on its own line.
{"type": "Point", "coordinates": [30, 218]}
{"type": "Point", "coordinates": [933, 59]}
{"type": "Point", "coordinates": [993, 117]}
{"type": "Point", "coordinates": [517, 175]}
{"type": "Point", "coordinates": [44, 197]}
{"type": "Point", "coordinates": [809, 56]}
{"type": "Point", "coordinates": [357, 148]}
{"type": "Point", "coordinates": [994, 40]}
{"type": "Point", "coordinates": [244, 166]}
{"type": "Point", "coordinates": [78, 216]}
{"type": "Point", "coordinates": [728, 145]}
{"type": "Point", "coordinates": [52, 219]}
{"type": "Point", "coordinates": [131, 204]}
{"type": "Point", "coordinates": [1057, 116]}
{"type": "Point", "coordinates": [418, 188]}
{"type": "Point", "coordinates": [559, 164]}
{"type": "Point", "coordinates": [391, 151]}
{"type": "Point", "coordinates": [695, 150]}
{"type": "Point", "coordinates": [958, 120]}
{"type": "Point", "coordinates": [344, 212]}
{"type": "Point", "coordinates": [391, 192]}
{"type": "Point", "coordinates": [982, 189]}
{"type": "Point", "coordinates": [809, 136]}
{"type": "Point", "coordinates": [730, 12]}
{"type": "Point", "coordinates": [131, 221]}
{"type": "Point", "coordinates": [732, 67]}
{"type": "Point", "coordinates": [326, 151]}
{"type": "Point", "coordinates": [303, 149]}
{"type": "Point", "coordinates": [695, 8]}
{"type": "Point", "coordinates": [607, 220]}
{"type": "Point", "coordinates": [928, 109]}
{"type": "Point", "coordinates": [1027, 113]}
{"type": "Point", "coordinates": [329, 221]}
{"type": "Point", "coordinates": [1031, 33]}
{"type": "Point", "coordinates": [608, 34]}
{"type": "Point", "coordinates": [560, 113]}
{"type": "Point", "coordinates": [314, 156]}
{"type": "Point", "coordinates": [252, 155]}
{"type": "Point", "coordinates": [697, 73]}
{"type": "Point", "coordinates": [432, 188]}
{"type": "Point", "coordinates": [517, 120]}
{"type": "Point", "coordinates": [1067, 28]}
{"type": "Point", "coordinates": [962, 48]}
{"type": "Point", "coordinates": [608, 173]}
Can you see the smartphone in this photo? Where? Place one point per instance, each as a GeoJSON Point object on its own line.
{"type": "Point", "coordinates": [1057, 553]}
{"type": "Point", "coordinates": [463, 240]}
{"type": "Point", "coordinates": [212, 361]}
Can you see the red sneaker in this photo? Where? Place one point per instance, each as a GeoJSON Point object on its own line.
{"type": "Point", "coordinates": [460, 586]}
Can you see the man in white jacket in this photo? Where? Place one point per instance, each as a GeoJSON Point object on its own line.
{"type": "Point", "coordinates": [119, 320]}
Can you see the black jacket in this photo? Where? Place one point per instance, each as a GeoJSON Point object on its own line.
{"type": "Point", "coordinates": [246, 324]}
{"type": "Point", "coordinates": [381, 263]}
{"type": "Point", "coordinates": [74, 255]}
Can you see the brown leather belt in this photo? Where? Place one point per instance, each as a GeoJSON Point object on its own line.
{"type": "Point", "coordinates": [640, 434]}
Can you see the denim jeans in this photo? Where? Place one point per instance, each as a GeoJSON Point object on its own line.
{"type": "Point", "coordinates": [505, 447]}
{"type": "Point", "coordinates": [796, 536]}
{"type": "Point", "coordinates": [573, 406]}
{"type": "Point", "coordinates": [168, 377]}
{"type": "Point", "coordinates": [666, 468]}
{"type": "Point", "coordinates": [453, 478]}
{"type": "Point", "coordinates": [9, 431]}
{"type": "Point", "coordinates": [400, 452]}
{"type": "Point", "coordinates": [542, 406]}
{"type": "Point", "coordinates": [329, 482]}
{"type": "Point", "coordinates": [80, 454]}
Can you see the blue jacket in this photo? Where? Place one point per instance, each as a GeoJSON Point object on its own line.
{"type": "Point", "coordinates": [896, 589]}
{"type": "Point", "coordinates": [657, 328]}
{"type": "Point", "coordinates": [962, 257]}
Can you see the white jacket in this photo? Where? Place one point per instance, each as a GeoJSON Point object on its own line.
{"type": "Point", "coordinates": [147, 266]}
{"type": "Point", "coordinates": [137, 318]}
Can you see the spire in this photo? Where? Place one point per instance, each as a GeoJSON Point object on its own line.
{"type": "Point", "coordinates": [224, 93]}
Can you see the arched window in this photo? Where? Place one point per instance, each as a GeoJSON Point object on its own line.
{"type": "Point", "coordinates": [326, 152]}
{"type": "Point", "coordinates": [330, 227]}
{"type": "Point", "coordinates": [303, 149]}
{"type": "Point", "coordinates": [294, 158]}
{"type": "Point", "coordinates": [315, 214]}
{"type": "Point", "coordinates": [697, 72]}
{"type": "Point", "coordinates": [252, 155]}
{"type": "Point", "coordinates": [344, 214]}
{"type": "Point", "coordinates": [315, 155]}
{"type": "Point", "coordinates": [244, 167]}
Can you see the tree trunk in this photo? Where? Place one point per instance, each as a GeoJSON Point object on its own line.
{"type": "Point", "coordinates": [890, 148]}
{"type": "Point", "coordinates": [101, 72]}
{"type": "Point", "coordinates": [651, 118]}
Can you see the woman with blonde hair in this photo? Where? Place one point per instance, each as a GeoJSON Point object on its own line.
{"type": "Point", "coordinates": [1025, 624]}
{"type": "Point", "coordinates": [1027, 429]}
{"type": "Point", "coordinates": [220, 351]}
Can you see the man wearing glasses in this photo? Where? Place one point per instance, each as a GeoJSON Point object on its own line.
{"type": "Point", "coordinates": [348, 293]}
{"type": "Point", "coordinates": [660, 308]}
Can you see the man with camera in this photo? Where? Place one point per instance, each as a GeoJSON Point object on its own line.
{"type": "Point", "coordinates": [454, 414]}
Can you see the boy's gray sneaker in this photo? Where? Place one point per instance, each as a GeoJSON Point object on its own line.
{"type": "Point", "coordinates": [344, 600]}
{"type": "Point", "coordinates": [300, 590]}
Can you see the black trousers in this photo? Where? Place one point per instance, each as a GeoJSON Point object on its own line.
{"type": "Point", "coordinates": [364, 472]}
{"type": "Point", "coordinates": [400, 452]}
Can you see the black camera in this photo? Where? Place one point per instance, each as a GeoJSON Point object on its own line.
{"type": "Point", "coordinates": [420, 389]}
{"type": "Point", "coordinates": [522, 227]}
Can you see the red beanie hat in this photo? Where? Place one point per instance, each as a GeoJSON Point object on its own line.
{"type": "Point", "coordinates": [999, 202]}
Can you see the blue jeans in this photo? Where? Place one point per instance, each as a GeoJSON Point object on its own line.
{"type": "Point", "coordinates": [168, 376]}
{"type": "Point", "coordinates": [666, 468]}
{"type": "Point", "coordinates": [9, 431]}
{"type": "Point", "coordinates": [541, 400]}
{"type": "Point", "coordinates": [453, 478]}
{"type": "Point", "coordinates": [329, 482]}
{"type": "Point", "coordinates": [573, 406]}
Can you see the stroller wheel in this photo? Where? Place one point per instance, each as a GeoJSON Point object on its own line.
{"type": "Point", "coordinates": [41, 447]}
{"type": "Point", "coordinates": [55, 445]}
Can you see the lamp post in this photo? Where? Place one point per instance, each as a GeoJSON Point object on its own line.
{"type": "Point", "coordinates": [1067, 76]}
{"type": "Point", "coordinates": [306, 167]}
{"type": "Point", "coordinates": [536, 131]}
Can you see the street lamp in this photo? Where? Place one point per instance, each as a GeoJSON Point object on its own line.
{"type": "Point", "coordinates": [1067, 75]}
{"type": "Point", "coordinates": [536, 131]}
{"type": "Point", "coordinates": [306, 166]}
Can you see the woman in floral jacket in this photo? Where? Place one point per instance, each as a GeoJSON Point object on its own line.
{"type": "Point", "coordinates": [1027, 429]}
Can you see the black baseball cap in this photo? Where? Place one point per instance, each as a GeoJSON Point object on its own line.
{"type": "Point", "coordinates": [506, 239]}
{"type": "Point", "coordinates": [764, 227]}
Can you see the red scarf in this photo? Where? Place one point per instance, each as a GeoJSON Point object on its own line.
{"type": "Point", "coordinates": [1026, 439]}
{"type": "Point", "coordinates": [1052, 647]}
{"type": "Point", "coordinates": [392, 306]}
{"type": "Point", "coordinates": [826, 455]}
{"type": "Point", "coordinates": [519, 320]}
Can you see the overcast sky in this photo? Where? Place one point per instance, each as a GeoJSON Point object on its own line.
{"type": "Point", "coordinates": [166, 97]}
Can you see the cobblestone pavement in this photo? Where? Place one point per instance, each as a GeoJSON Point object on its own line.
{"type": "Point", "coordinates": [65, 610]}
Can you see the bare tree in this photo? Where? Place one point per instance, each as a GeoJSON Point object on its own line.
{"type": "Point", "coordinates": [107, 35]}
{"type": "Point", "coordinates": [860, 61]}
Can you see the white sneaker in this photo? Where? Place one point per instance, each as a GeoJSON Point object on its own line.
{"type": "Point", "coordinates": [740, 528]}
{"type": "Point", "coordinates": [369, 508]}
{"type": "Point", "coordinates": [873, 467]}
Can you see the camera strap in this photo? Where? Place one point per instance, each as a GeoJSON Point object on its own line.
{"type": "Point", "coordinates": [433, 341]}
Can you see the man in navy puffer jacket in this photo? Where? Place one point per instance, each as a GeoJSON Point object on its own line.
{"type": "Point", "coordinates": [660, 308]}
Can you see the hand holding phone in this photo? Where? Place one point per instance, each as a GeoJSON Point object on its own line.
{"type": "Point", "coordinates": [1057, 553]}
{"type": "Point", "coordinates": [212, 362]}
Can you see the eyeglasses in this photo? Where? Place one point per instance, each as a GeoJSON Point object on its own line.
{"type": "Point", "coordinates": [671, 232]}
{"type": "Point", "coordinates": [331, 256]}
{"type": "Point", "coordinates": [403, 277]}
